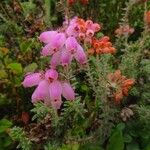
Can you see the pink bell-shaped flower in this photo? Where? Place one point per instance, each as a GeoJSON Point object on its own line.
{"type": "Point", "coordinates": [54, 45]}
{"type": "Point", "coordinates": [56, 103]}
{"type": "Point", "coordinates": [90, 33]}
{"type": "Point", "coordinates": [55, 90]}
{"type": "Point", "coordinates": [67, 91]}
{"type": "Point", "coordinates": [71, 44]}
{"type": "Point", "coordinates": [41, 92]}
{"type": "Point", "coordinates": [66, 57]}
{"type": "Point", "coordinates": [47, 36]}
{"type": "Point", "coordinates": [58, 42]}
{"type": "Point", "coordinates": [51, 75]}
{"type": "Point", "coordinates": [32, 80]}
{"type": "Point", "coordinates": [80, 55]}
{"type": "Point", "coordinates": [47, 50]}
{"type": "Point", "coordinates": [55, 60]}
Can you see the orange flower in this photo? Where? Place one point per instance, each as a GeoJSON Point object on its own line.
{"type": "Point", "coordinates": [91, 51]}
{"type": "Point", "coordinates": [120, 85]}
{"type": "Point", "coordinates": [147, 18]}
{"type": "Point", "coordinates": [124, 30]}
{"type": "Point", "coordinates": [118, 96]}
{"type": "Point", "coordinates": [103, 46]}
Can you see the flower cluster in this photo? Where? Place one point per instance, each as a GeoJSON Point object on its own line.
{"type": "Point", "coordinates": [101, 46]}
{"type": "Point", "coordinates": [124, 30]}
{"type": "Point", "coordinates": [63, 46]}
{"type": "Point", "coordinates": [82, 30]}
{"type": "Point", "coordinates": [72, 2]}
{"type": "Point", "coordinates": [49, 88]}
{"type": "Point", "coordinates": [120, 84]}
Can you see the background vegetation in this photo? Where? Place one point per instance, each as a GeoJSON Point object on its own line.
{"type": "Point", "coordinates": [81, 124]}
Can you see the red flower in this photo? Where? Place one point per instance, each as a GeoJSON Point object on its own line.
{"type": "Point", "coordinates": [71, 2]}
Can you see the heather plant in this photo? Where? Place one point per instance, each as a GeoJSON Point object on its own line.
{"type": "Point", "coordinates": [82, 72]}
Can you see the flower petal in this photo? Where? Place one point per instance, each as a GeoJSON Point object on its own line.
{"type": "Point", "coordinates": [67, 91]}
{"type": "Point", "coordinates": [47, 36]}
{"type": "Point", "coordinates": [71, 44]}
{"type": "Point", "coordinates": [41, 92]}
{"type": "Point", "coordinates": [56, 103]}
{"type": "Point", "coordinates": [58, 42]}
{"type": "Point", "coordinates": [32, 80]}
{"type": "Point", "coordinates": [55, 90]}
{"type": "Point", "coordinates": [47, 50]}
{"type": "Point", "coordinates": [66, 57]}
{"type": "Point", "coordinates": [55, 60]}
{"type": "Point", "coordinates": [80, 55]}
{"type": "Point", "coordinates": [51, 75]}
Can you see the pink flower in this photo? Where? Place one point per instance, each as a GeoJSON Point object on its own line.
{"type": "Point", "coordinates": [72, 30]}
{"type": "Point", "coordinates": [47, 36]}
{"type": "Point", "coordinates": [90, 33]}
{"type": "Point", "coordinates": [80, 55]}
{"type": "Point", "coordinates": [55, 90]}
{"type": "Point", "coordinates": [41, 92]}
{"type": "Point", "coordinates": [67, 91]}
{"type": "Point", "coordinates": [54, 45]}
{"type": "Point", "coordinates": [96, 27]}
{"type": "Point", "coordinates": [88, 24]}
{"type": "Point", "coordinates": [71, 44]}
{"type": "Point", "coordinates": [66, 57]}
{"type": "Point", "coordinates": [55, 60]}
{"type": "Point", "coordinates": [51, 75]}
{"type": "Point", "coordinates": [49, 89]}
{"type": "Point", "coordinates": [56, 104]}
{"type": "Point", "coordinates": [47, 50]}
{"type": "Point", "coordinates": [82, 36]}
{"type": "Point", "coordinates": [32, 79]}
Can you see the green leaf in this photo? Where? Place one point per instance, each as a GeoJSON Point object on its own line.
{"type": "Point", "coordinates": [120, 126]}
{"type": "Point", "coordinates": [116, 141]}
{"type": "Point", "coordinates": [4, 124]}
{"type": "Point", "coordinates": [90, 146]}
{"type": "Point", "coordinates": [15, 67]}
{"type": "Point", "coordinates": [127, 138]}
{"type": "Point", "coordinates": [133, 146]}
{"type": "Point", "coordinates": [3, 74]}
{"type": "Point", "coordinates": [5, 141]}
{"type": "Point", "coordinates": [147, 147]}
{"type": "Point", "coordinates": [30, 68]}
{"type": "Point", "coordinates": [26, 45]}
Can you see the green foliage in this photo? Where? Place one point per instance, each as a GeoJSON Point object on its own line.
{"type": "Point", "coordinates": [116, 141]}
{"type": "Point", "coordinates": [19, 135]}
{"type": "Point", "coordinates": [41, 111]}
{"type": "Point", "coordinates": [92, 121]}
{"type": "Point", "coordinates": [5, 140]}
{"type": "Point", "coordinates": [16, 68]}
{"type": "Point", "coordinates": [4, 124]}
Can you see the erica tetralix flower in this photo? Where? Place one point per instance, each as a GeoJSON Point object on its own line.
{"type": "Point", "coordinates": [49, 89]}
{"type": "Point", "coordinates": [119, 85]}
